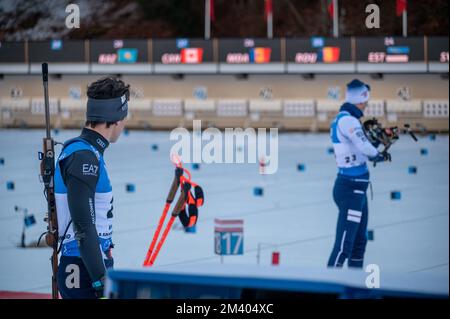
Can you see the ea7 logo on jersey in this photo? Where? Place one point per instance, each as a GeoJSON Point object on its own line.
{"type": "Point", "coordinates": [90, 169]}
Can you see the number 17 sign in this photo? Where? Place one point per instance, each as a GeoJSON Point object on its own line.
{"type": "Point", "coordinates": [229, 237]}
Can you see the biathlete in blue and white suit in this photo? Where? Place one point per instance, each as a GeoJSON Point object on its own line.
{"type": "Point", "coordinates": [352, 150]}
{"type": "Point", "coordinates": [84, 196]}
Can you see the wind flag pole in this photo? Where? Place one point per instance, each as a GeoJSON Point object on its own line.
{"type": "Point", "coordinates": [269, 18]}
{"type": "Point", "coordinates": [207, 20]}
{"type": "Point", "coordinates": [402, 10]}
{"type": "Point", "coordinates": [335, 19]}
{"type": "Point", "coordinates": [333, 12]}
{"type": "Point", "coordinates": [405, 23]}
{"type": "Point", "coordinates": [209, 16]}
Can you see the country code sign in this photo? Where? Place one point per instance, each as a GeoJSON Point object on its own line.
{"type": "Point", "coordinates": [229, 237]}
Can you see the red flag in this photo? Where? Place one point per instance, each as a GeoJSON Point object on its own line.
{"type": "Point", "coordinates": [401, 6]}
{"type": "Point", "coordinates": [331, 8]}
{"type": "Point", "coordinates": [268, 8]}
{"type": "Point", "coordinates": [212, 16]}
{"type": "Point", "coordinates": [192, 55]}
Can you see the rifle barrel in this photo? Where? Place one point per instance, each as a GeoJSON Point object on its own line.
{"type": "Point", "coordinates": [47, 107]}
{"type": "Point", "coordinates": [47, 172]}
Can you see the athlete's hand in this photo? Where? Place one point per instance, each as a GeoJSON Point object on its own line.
{"type": "Point", "coordinates": [99, 287]}
{"type": "Point", "coordinates": [384, 156]}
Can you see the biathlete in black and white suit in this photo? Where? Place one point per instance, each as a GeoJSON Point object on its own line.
{"type": "Point", "coordinates": [84, 195]}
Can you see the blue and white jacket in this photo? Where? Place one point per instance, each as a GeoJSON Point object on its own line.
{"type": "Point", "coordinates": [352, 149]}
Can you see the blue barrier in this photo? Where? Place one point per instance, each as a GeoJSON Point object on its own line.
{"type": "Point", "coordinates": [412, 170]}
{"type": "Point", "coordinates": [131, 188]}
{"type": "Point", "coordinates": [396, 195]}
{"type": "Point", "coordinates": [258, 191]}
{"type": "Point", "coordinates": [191, 230]}
{"type": "Point", "coordinates": [10, 186]}
{"type": "Point", "coordinates": [224, 281]}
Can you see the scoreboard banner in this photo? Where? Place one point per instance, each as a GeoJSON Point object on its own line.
{"type": "Point", "coordinates": [249, 51]}
{"type": "Point", "coordinates": [229, 56]}
{"type": "Point", "coordinates": [58, 51]}
{"type": "Point", "coordinates": [12, 52]}
{"type": "Point", "coordinates": [438, 49]}
{"type": "Point", "coordinates": [182, 51]}
{"type": "Point", "coordinates": [390, 55]}
{"type": "Point", "coordinates": [437, 53]}
{"type": "Point", "coordinates": [390, 50]}
{"type": "Point", "coordinates": [318, 50]}
{"type": "Point", "coordinates": [319, 55]}
{"type": "Point", "coordinates": [119, 51]}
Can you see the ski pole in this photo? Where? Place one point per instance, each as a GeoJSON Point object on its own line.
{"type": "Point", "coordinates": [161, 242]}
{"type": "Point", "coordinates": [177, 209]}
{"type": "Point", "coordinates": [156, 234]}
{"type": "Point", "coordinates": [169, 200]}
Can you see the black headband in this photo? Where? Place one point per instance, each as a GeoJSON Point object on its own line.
{"type": "Point", "coordinates": [107, 110]}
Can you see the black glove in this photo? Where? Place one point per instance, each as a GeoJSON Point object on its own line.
{"type": "Point", "coordinates": [386, 156]}
{"type": "Point", "coordinates": [99, 287]}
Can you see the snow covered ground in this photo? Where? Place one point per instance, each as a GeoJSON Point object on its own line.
{"type": "Point", "coordinates": [296, 213]}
